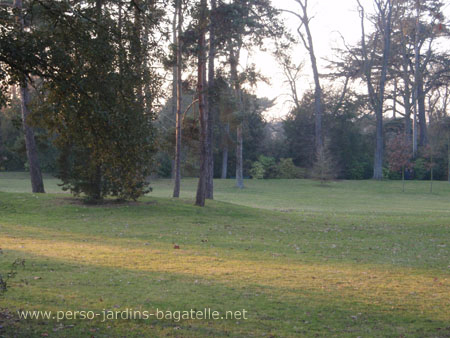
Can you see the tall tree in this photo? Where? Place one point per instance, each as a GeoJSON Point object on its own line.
{"type": "Point", "coordinates": [203, 112]}
{"type": "Point", "coordinates": [212, 102]}
{"type": "Point", "coordinates": [377, 96]}
{"type": "Point", "coordinates": [308, 44]}
{"type": "Point", "coordinates": [37, 183]}
{"type": "Point", "coordinates": [245, 24]}
{"type": "Point", "coordinates": [179, 116]}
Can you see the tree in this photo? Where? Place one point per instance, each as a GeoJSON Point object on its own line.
{"type": "Point", "coordinates": [308, 44]}
{"type": "Point", "coordinates": [376, 97]}
{"type": "Point", "coordinates": [97, 94]}
{"type": "Point", "coordinates": [37, 184]}
{"type": "Point", "coordinates": [245, 23]}
{"type": "Point", "coordinates": [212, 100]}
{"type": "Point", "coordinates": [324, 167]}
{"type": "Point", "coordinates": [179, 98]}
{"type": "Point", "coordinates": [399, 155]}
{"type": "Point", "coordinates": [203, 112]}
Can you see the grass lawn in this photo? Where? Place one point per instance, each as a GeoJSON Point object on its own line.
{"type": "Point", "coordinates": [350, 259]}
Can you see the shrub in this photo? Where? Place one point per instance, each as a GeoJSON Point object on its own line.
{"type": "Point", "coordinates": [270, 166]}
{"type": "Point", "coordinates": [359, 170]}
{"type": "Point", "coordinates": [420, 169]}
{"type": "Point", "coordinates": [287, 169]}
{"type": "Point", "coordinates": [257, 171]}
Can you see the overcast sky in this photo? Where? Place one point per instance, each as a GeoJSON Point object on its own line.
{"type": "Point", "coordinates": [329, 18]}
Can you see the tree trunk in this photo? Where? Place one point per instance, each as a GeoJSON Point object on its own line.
{"type": "Point", "coordinates": [318, 95]}
{"type": "Point", "coordinates": [239, 164]}
{"type": "Point", "coordinates": [423, 135]}
{"type": "Point", "coordinates": [174, 68]}
{"type": "Point", "coordinates": [318, 105]}
{"type": "Point", "coordinates": [234, 59]}
{"type": "Point", "coordinates": [378, 158]}
{"type": "Point", "coordinates": [225, 152]}
{"type": "Point", "coordinates": [37, 184]}
{"type": "Point", "coordinates": [203, 112]}
{"type": "Point", "coordinates": [403, 179]}
{"type": "Point", "coordinates": [177, 164]}
{"type": "Point", "coordinates": [377, 99]}
{"type": "Point", "coordinates": [212, 107]}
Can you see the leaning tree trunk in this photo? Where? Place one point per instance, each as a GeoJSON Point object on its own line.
{"type": "Point", "coordinates": [203, 113]}
{"type": "Point", "coordinates": [212, 106]}
{"type": "Point", "coordinates": [177, 164]}
{"type": "Point", "coordinates": [37, 184]}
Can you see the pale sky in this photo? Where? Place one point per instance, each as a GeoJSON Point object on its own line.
{"type": "Point", "coordinates": [330, 17]}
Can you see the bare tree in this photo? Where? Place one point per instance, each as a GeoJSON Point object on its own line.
{"type": "Point", "coordinates": [308, 44]}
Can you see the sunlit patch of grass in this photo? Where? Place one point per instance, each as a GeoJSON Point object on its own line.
{"type": "Point", "coordinates": [427, 295]}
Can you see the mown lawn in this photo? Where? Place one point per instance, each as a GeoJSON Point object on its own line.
{"type": "Point", "coordinates": [348, 259]}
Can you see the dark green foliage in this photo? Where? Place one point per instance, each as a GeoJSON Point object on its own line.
{"type": "Point", "coordinates": [267, 167]}
{"type": "Point", "coordinates": [97, 99]}
{"type": "Point", "coordinates": [349, 144]}
{"type": "Point", "coordinates": [12, 150]}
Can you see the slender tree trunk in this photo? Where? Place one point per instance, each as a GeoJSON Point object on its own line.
{"type": "Point", "coordinates": [431, 181]}
{"type": "Point", "coordinates": [416, 79]}
{"type": "Point", "coordinates": [394, 108]}
{"type": "Point", "coordinates": [403, 179]}
{"type": "Point", "coordinates": [318, 95]}
{"type": "Point", "coordinates": [37, 184]}
{"type": "Point", "coordinates": [423, 135]}
{"type": "Point", "coordinates": [174, 68]}
{"type": "Point", "coordinates": [212, 107]}
{"type": "Point", "coordinates": [318, 104]}
{"type": "Point", "coordinates": [225, 152]}
{"type": "Point", "coordinates": [239, 164]}
{"type": "Point", "coordinates": [234, 59]}
{"type": "Point", "coordinates": [177, 164]}
{"type": "Point", "coordinates": [174, 80]}
{"type": "Point", "coordinates": [203, 112]}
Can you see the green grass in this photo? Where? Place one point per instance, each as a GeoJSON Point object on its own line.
{"type": "Point", "coordinates": [354, 258]}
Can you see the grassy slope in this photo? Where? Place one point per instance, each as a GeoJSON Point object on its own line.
{"type": "Point", "coordinates": [351, 259]}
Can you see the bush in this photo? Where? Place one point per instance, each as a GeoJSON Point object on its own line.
{"type": "Point", "coordinates": [257, 171]}
{"type": "Point", "coordinates": [287, 169]}
{"type": "Point", "coordinates": [359, 170]}
{"type": "Point", "coordinates": [420, 169]}
{"type": "Point", "coordinates": [270, 166]}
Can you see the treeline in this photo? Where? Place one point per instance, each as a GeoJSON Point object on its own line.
{"type": "Point", "coordinates": [107, 93]}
